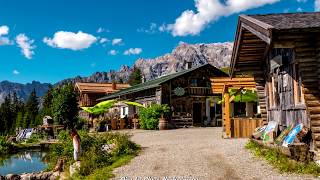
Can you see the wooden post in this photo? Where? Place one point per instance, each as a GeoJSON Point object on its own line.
{"type": "Point", "coordinates": [227, 113]}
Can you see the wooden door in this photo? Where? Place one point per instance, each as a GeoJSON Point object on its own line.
{"type": "Point", "coordinates": [197, 115]}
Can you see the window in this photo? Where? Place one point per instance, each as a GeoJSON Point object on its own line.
{"type": "Point", "coordinates": [194, 82]}
{"type": "Point", "coordinates": [285, 83]}
{"type": "Point", "coordinates": [123, 111]}
{"type": "Point", "coordinates": [297, 82]}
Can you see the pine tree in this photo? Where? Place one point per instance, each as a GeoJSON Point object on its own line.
{"type": "Point", "coordinates": [47, 103]}
{"type": "Point", "coordinates": [6, 113]}
{"type": "Point", "coordinates": [32, 108]}
{"type": "Point", "coordinates": [19, 120]}
{"type": "Point", "coordinates": [26, 121]}
{"type": "Point", "coordinates": [135, 77]}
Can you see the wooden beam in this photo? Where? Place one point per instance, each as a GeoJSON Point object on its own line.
{"type": "Point", "coordinates": [227, 114]}
{"type": "Point", "coordinates": [257, 33]}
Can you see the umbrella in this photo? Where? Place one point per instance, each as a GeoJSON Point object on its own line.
{"type": "Point", "coordinates": [105, 105]}
{"type": "Point", "coordinates": [134, 104]}
{"type": "Point", "coordinates": [100, 107]}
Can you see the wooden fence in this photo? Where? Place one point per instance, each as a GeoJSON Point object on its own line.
{"type": "Point", "coordinates": [244, 127]}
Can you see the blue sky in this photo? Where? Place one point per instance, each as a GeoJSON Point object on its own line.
{"type": "Point", "coordinates": [51, 40]}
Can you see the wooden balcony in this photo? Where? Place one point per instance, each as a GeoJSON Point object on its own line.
{"type": "Point", "coordinates": [199, 91]}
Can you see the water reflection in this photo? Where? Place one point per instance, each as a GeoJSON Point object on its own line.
{"type": "Point", "coordinates": [23, 162]}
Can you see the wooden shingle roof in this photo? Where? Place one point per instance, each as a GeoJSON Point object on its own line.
{"type": "Point", "coordinates": [157, 82]}
{"type": "Point", "coordinates": [100, 87]}
{"type": "Point", "coordinates": [290, 20]}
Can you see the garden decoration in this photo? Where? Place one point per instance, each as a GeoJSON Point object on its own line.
{"type": "Point", "coordinates": [283, 134]}
{"type": "Point", "coordinates": [292, 135]}
{"type": "Point", "coordinates": [267, 135]}
{"type": "Point", "coordinates": [259, 131]}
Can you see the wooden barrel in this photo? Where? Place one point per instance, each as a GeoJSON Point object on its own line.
{"type": "Point", "coordinates": [113, 124]}
{"type": "Point", "coordinates": [122, 124]}
{"type": "Point", "coordinates": [163, 124]}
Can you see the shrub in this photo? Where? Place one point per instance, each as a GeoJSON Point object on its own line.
{"type": "Point", "coordinates": [4, 145]}
{"type": "Point", "coordinates": [93, 158]}
{"type": "Point", "coordinates": [35, 138]}
{"type": "Point", "coordinates": [282, 162]}
{"type": "Point", "coordinates": [149, 117]}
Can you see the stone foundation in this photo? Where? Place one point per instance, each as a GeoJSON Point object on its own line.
{"type": "Point", "coordinates": [32, 176]}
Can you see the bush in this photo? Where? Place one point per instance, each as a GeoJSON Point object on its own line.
{"type": "Point", "coordinates": [282, 162]}
{"type": "Point", "coordinates": [149, 117]}
{"type": "Point", "coordinates": [35, 138]}
{"type": "Point", "coordinates": [4, 145]}
{"type": "Point", "coordinates": [93, 158]}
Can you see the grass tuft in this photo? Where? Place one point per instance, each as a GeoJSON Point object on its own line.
{"type": "Point", "coordinates": [282, 162]}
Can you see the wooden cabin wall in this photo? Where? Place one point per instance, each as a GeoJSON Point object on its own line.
{"type": "Point", "coordinates": [307, 47]}
{"type": "Point", "coordinates": [285, 106]}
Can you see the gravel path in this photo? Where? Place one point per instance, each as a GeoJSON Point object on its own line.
{"type": "Point", "coordinates": [199, 153]}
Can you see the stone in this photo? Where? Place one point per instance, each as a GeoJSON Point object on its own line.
{"type": "Point", "coordinates": [2, 177]}
{"type": "Point", "coordinates": [12, 177]}
{"type": "Point", "coordinates": [74, 168]}
{"type": "Point", "coordinates": [108, 147]}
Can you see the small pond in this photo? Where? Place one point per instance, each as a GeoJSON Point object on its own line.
{"type": "Point", "coordinates": [23, 162]}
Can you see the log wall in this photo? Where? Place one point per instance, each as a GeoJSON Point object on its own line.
{"type": "Point", "coordinates": [307, 47]}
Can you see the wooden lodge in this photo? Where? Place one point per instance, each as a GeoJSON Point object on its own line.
{"type": "Point", "coordinates": [188, 94]}
{"type": "Point", "coordinates": [90, 92]}
{"type": "Point", "coordinates": [282, 53]}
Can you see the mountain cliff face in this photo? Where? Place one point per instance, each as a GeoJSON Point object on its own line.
{"type": "Point", "coordinates": [23, 90]}
{"type": "Point", "coordinates": [217, 54]}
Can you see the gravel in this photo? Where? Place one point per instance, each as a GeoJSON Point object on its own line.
{"type": "Point", "coordinates": [195, 153]}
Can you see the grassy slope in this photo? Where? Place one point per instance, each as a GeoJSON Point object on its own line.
{"type": "Point", "coordinates": [282, 162]}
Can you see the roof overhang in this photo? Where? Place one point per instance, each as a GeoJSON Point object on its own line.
{"type": "Point", "coordinates": [252, 42]}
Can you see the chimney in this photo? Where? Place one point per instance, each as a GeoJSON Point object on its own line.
{"type": "Point", "coordinates": [188, 65]}
{"type": "Point", "coordinates": [114, 85]}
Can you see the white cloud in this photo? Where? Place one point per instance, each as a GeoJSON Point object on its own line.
{"type": "Point", "coordinates": [317, 5]}
{"type": "Point", "coordinates": [26, 45]}
{"type": "Point", "coordinates": [101, 30]}
{"type": "Point", "coordinates": [133, 51]}
{"type": "Point", "coordinates": [103, 40]}
{"type": "Point", "coordinates": [299, 9]}
{"type": "Point", "coordinates": [113, 52]}
{"type": "Point", "coordinates": [5, 41]}
{"type": "Point", "coordinates": [208, 11]}
{"type": "Point", "coordinates": [117, 41]}
{"type": "Point", "coordinates": [15, 72]}
{"type": "Point", "coordinates": [302, 1]}
{"type": "Point", "coordinates": [93, 64]}
{"type": "Point", "coordinates": [4, 30]}
{"type": "Point", "coordinates": [150, 30]}
{"type": "Point", "coordinates": [70, 40]}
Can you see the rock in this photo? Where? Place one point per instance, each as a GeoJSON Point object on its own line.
{"type": "Point", "coordinates": [2, 177]}
{"type": "Point", "coordinates": [12, 177]}
{"type": "Point", "coordinates": [108, 147]}
{"type": "Point", "coordinates": [59, 166]}
{"type": "Point", "coordinates": [74, 168]}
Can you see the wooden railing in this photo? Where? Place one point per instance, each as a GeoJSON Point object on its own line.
{"type": "Point", "coordinates": [199, 91]}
